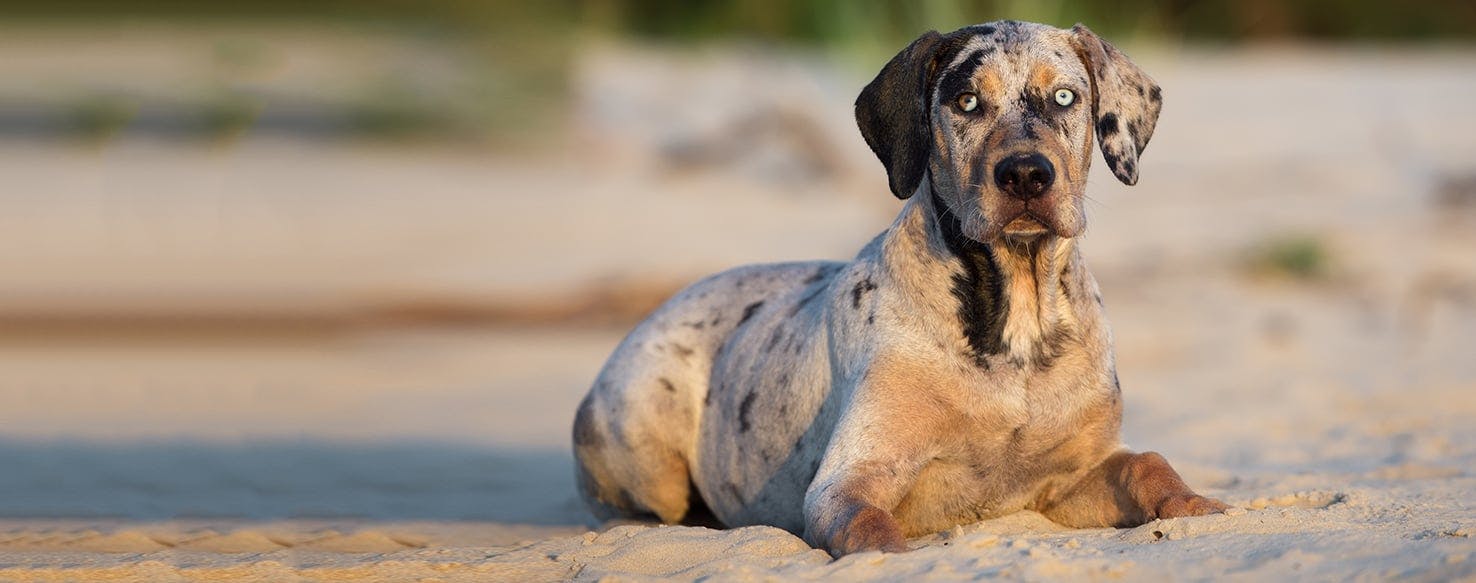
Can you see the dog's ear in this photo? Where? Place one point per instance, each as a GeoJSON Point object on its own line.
{"type": "Point", "coordinates": [1125, 103]}
{"type": "Point", "coordinates": [893, 115]}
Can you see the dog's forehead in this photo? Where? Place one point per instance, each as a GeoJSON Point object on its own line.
{"type": "Point", "coordinates": [1013, 52]}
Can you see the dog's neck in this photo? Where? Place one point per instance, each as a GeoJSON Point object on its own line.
{"type": "Point", "coordinates": [1012, 301]}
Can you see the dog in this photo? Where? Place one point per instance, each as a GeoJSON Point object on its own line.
{"type": "Point", "coordinates": [959, 368]}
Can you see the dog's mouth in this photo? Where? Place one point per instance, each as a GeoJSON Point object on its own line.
{"type": "Point", "coordinates": [1025, 226]}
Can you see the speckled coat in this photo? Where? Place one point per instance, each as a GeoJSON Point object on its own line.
{"type": "Point", "coordinates": [958, 368]}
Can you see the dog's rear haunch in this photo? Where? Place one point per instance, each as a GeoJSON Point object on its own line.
{"type": "Point", "coordinates": [958, 368]}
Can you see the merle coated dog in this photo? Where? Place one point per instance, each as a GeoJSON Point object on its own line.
{"type": "Point", "coordinates": [959, 368]}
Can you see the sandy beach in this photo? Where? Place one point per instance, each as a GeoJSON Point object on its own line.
{"type": "Point", "coordinates": [303, 362]}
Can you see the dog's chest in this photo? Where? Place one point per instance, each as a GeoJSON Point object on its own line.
{"type": "Point", "coordinates": [1018, 430]}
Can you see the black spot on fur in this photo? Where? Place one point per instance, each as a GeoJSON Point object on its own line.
{"type": "Point", "coordinates": [666, 384]}
{"type": "Point", "coordinates": [682, 351]}
{"type": "Point", "coordinates": [1051, 347]}
{"type": "Point", "coordinates": [861, 289]}
{"type": "Point", "coordinates": [783, 381]}
{"type": "Point", "coordinates": [585, 434]}
{"type": "Point", "coordinates": [774, 340]}
{"type": "Point", "coordinates": [804, 301]}
{"type": "Point", "coordinates": [1156, 94]}
{"type": "Point", "coordinates": [981, 29]}
{"type": "Point", "coordinates": [749, 310]}
{"type": "Point", "coordinates": [744, 410]}
{"type": "Point", "coordinates": [1107, 126]}
{"type": "Point", "coordinates": [871, 318]}
{"type": "Point", "coordinates": [822, 273]}
{"type": "Point", "coordinates": [979, 288]}
{"type": "Point", "coordinates": [697, 325]}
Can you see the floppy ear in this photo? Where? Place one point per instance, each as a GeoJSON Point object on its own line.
{"type": "Point", "coordinates": [1125, 103]}
{"type": "Point", "coordinates": [893, 115]}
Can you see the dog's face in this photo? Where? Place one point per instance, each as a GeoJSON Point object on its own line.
{"type": "Point", "coordinates": [1001, 117]}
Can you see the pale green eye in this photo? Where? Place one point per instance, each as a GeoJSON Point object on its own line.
{"type": "Point", "coordinates": [968, 102]}
{"type": "Point", "coordinates": [1065, 97]}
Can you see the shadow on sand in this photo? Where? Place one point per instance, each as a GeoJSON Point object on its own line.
{"type": "Point", "coordinates": [287, 479]}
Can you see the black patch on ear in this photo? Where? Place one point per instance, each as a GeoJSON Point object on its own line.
{"type": "Point", "coordinates": [892, 114]}
{"type": "Point", "coordinates": [1107, 126]}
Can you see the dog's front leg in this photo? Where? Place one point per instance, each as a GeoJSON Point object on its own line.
{"type": "Point", "coordinates": [872, 462]}
{"type": "Point", "coordinates": [850, 512]}
{"type": "Point", "coordinates": [1127, 489]}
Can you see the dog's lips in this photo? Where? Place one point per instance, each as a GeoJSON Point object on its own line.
{"type": "Point", "coordinates": [1025, 226]}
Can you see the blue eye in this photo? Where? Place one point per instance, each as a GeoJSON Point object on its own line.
{"type": "Point", "coordinates": [1065, 97]}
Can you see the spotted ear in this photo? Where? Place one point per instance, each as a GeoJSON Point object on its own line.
{"type": "Point", "coordinates": [1125, 103]}
{"type": "Point", "coordinates": [893, 116]}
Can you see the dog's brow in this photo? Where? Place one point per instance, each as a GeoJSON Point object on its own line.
{"type": "Point", "coordinates": [958, 78]}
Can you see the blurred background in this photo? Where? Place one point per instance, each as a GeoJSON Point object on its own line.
{"type": "Point", "coordinates": [360, 259]}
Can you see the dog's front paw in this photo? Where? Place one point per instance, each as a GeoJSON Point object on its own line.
{"type": "Point", "coordinates": [1190, 504]}
{"type": "Point", "coordinates": [871, 529]}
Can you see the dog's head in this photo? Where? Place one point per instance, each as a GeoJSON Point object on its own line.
{"type": "Point", "coordinates": [1001, 116]}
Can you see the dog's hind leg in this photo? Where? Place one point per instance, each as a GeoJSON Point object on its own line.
{"type": "Point", "coordinates": [625, 468]}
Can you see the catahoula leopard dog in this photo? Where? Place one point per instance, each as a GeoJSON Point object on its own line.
{"type": "Point", "coordinates": [959, 368]}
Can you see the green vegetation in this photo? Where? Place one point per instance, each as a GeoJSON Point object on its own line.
{"type": "Point", "coordinates": [514, 56]}
{"type": "Point", "coordinates": [819, 21]}
{"type": "Point", "coordinates": [98, 117]}
{"type": "Point", "coordinates": [1300, 257]}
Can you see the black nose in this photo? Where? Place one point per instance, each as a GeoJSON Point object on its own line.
{"type": "Point", "coordinates": [1024, 176]}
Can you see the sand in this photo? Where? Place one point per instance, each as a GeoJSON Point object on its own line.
{"type": "Point", "coordinates": [316, 439]}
